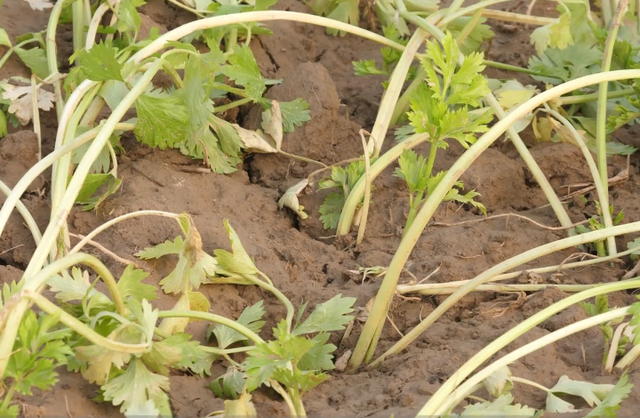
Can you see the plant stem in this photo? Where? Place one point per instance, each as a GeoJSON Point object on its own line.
{"type": "Point", "coordinates": [81, 328]}
{"type": "Point", "coordinates": [537, 173]}
{"type": "Point", "coordinates": [404, 100]}
{"type": "Point", "coordinates": [438, 404]}
{"type": "Point", "coordinates": [255, 338]}
{"type": "Point", "coordinates": [8, 396]}
{"type": "Point", "coordinates": [385, 294]}
{"type": "Point", "coordinates": [59, 218]}
{"type": "Point", "coordinates": [391, 95]}
{"type": "Point", "coordinates": [26, 215]}
{"type": "Point", "coordinates": [530, 383]}
{"type": "Point", "coordinates": [301, 158]}
{"type": "Point", "coordinates": [346, 218]}
{"type": "Point", "coordinates": [500, 268]}
{"type": "Point", "coordinates": [468, 28]}
{"type": "Point", "coordinates": [277, 293]}
{"type": "Point", "coordinates": [450, 288]}
{"type": "Point", "coordinates": [509, 67]}
{"type": "Point", "coordinates": [52, 58]}
{"type": "Point", "coordinates": [592, 97]}
{"type": "Point", "coordinates": [225, 107]}
{"type": "Point", "coordinates": [601, 120]}
{"type": "Point", "coordinates": [77, 10]}
{"type": "Point", "coordinates": [13, 199]}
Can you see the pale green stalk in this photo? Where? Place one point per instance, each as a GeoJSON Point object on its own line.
{"type": "Point", "coordinates": [629, 358]}
{"type": "Point", "coordinates": [487, 275]}
{"type": "Point", "coordinates": [525, 154]}
{"type": "Point", "coordinates": [121, 218]}
{"type": "Point", "coordinates": [59, 219]}
{"type": "Point", "coordinates": [446, 398]}
{"type": "Point", "coordinates": [13, 199]}
{"type": "Point", "coordinates": [277, 293]}
{"type": "Point", "coordinates": [95, 23]}
{"type": "Point", "coordinates": [206, 316]}
{"type": "Point", "coordinates": [450, 287]}
{"type": "Point", "coordinates": [601, 118]}
{"type": "Point", "coordinates": [592, 97]}
{"type": "Point", "coordinates": [390, 98]}
{"type": "Point", "coordinates": [417, 288]}
{"type": "Point", "coordinates": [352, 201]}
{"type": "Point", "coordinates": [26, 215]}
{"type": "Point", "coordinates": [382, 302]}
{"type": "Point", "coordinates": [77, 10]}
{"type": "Point", "coordinates": [52, 57]}
{"type": "Point", "coordinates": [35, 110]}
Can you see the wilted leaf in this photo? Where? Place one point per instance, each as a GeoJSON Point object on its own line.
{"type": "Point", "coordinates": [22, 101]}
{"type": "Point", "coordinates": [272, 123]}
{"type": "Point", "coordinates": [253, 141]}
{"type": "Point", "coordinates": [290, 198]}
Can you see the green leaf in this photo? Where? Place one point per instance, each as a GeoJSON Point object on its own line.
{"type": "Point", "coordinates": [100, 63]}
{"type": "Point", "coordinates": [136, 388]}
{"type": "Point", "coordinates": [294, 113]}
{"type": "Point", "coordinates": [319, 356]}
{"type": "Point", "coordinates": [162, 119]}
{"type": "Point", "coordinates": [38, 350]}
{"type": "Point", "coordinates": [611, 403]}
{"type": "Point", "coordinates": [89, 196]}
{"type": "Point", "coordinates": [413, 170]}
{"type": "Point", "coordinates": [468, 198]}
{"type": "Point", "coordinates": [500, 407]}
{"type": "Point", "coordinates": [592, 393]}
{"type": "Point", "coordinates": [228, 385]}
{"type": "Point", "coordinates": [35, 59]}
{"type": "Point", "coordinates": [562, 65]}
{"type": "Point", "coordinates": [76, 286]}
{"type": "Point", "coordinates": [328, 316]}
{"type": "Point", "coordinates": [160, 250]}
{"type": "Point", "coordinates": [3, 125]}
{"type": "Point", "coordinates": [331, 209]}
{"type": "Point", "coordinates": [128, 17]}
{"type": "Point", "coordinates": [251, 318]}
{"type": "Point", "coordinates": [130, 285]}
{"type": "Point", "coordinates": [239, 261]}
{"type": "Point", "coordinates": [4, 38]}
{"type": "Point", "coordinates": [243, 69]}
{"type": "Point", "coordinates": [367, 67]}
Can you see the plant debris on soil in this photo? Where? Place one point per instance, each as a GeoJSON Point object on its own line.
{"type": "Point", "coordinates": [304, 261]}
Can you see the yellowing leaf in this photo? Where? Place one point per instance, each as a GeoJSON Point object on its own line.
{"type": "Point", "coordinates": [253, 141]}
{"type": "Point", "coordinates": [198, 302]}
{"type": "Point", "coordinates": [243, 407]}
{"type": "Point", "coordinates": [511, 98]}
{"type": "Point", "coordinates": [554, 35]}
{"type": "Point", "coordinates": [272, 123]}
{"type": "Point", "coordinates": [176, 325]}
{"type": "Point", "coordinates": [22, 101]}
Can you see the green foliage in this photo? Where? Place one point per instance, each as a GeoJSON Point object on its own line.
{"type": "Point", "coordinates": [601, 306]}
{"type": "Point", "coordinates": [243, 69]}
{"type": "Point", "coordinates": [38, 351]}
{"type": "Point", "coordinates": [250, 318]}
{"type": "Point", "coordinates": [442, 106]}
{"type": "Point", "coordinates": [293, 358]}
{"type": "Point", "coordinates": [343, 179]}
{"type": "Point", "coordinates": [595, 223]}
{"type": "Point", "coordinates": [611, 403]}
{"type": "Point", "coordinates": [100, 63]}
{"type": "Point", "coordinates": [346, 11]}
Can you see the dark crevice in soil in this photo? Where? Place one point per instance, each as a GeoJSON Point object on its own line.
{"type": "Point", "coordinates": [266, 51]}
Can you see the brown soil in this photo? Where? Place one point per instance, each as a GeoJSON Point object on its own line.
{"type": "Point", "coordinates": [305, 264]}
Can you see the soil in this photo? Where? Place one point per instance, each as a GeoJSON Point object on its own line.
{"type": "Point", "coordinates": [303, 261]}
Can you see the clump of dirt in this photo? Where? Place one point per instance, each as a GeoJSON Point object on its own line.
{"type": "Point", "coordinates": [306, 265]}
